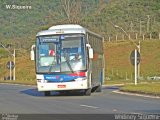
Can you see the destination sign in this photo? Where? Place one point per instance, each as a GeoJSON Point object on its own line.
{"type": "Point", "coordinates": [50, 39]}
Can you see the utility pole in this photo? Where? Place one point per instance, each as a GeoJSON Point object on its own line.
{"type": "Point", "coordinates": [139, 50]}
{"type": "Point", "coordinates": [140, 27]}
{"type": "Point", "coordinates": [14, 60]}
{"type": "Point", "coordinates": [138, 47]}
{"type": "Point", "coordinates": [148, 23]}
{"type": "Point", "coordinates": [14, 69]}
{"type": "Point", "coordinates": [135, 66]}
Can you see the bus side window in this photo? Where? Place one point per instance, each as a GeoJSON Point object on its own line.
{"type": "Point", "coordinates": [44, 50]}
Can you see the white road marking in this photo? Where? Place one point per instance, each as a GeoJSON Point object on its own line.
{"type": "Point", "coordinates": [94, 107]}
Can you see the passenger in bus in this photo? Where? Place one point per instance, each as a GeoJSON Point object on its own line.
{"type": "Point", "coordinates": [51, 52]}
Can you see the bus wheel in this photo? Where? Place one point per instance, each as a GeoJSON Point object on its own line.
{"type": "Point", "coordinates": [99, 88]}
{"type": "Point", "coordinates": [47, 93]}
{"type": "Point", "coordinates": [88, 92]}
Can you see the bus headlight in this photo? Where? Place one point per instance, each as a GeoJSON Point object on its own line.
{"type": "Point", "coordinates": [42, 81]}
{"type": "Point", "coordinates": [80, 79]}
{"type": "Point", "coordinates": [45, 81]}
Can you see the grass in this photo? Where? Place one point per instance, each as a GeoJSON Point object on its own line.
{"type": "Point", "coordinates": [148, 87]}
{"type": "Point", "coordinates": [25, 70]}
{"type": "Point", "coordinates": [118, 64]}
{"type": "Point", "coordinates": [145, 88]}
{"type": "Point", "coordinates": [118, 82]}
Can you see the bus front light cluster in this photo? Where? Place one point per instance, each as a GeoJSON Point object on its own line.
{"type": "Point", "coordinates": [42, 81]}
{"type": "Point", "coordinates": [81, 79]}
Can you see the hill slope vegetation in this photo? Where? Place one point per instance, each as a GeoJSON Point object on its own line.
{"type": "Point", "coordinates": [19, 26]}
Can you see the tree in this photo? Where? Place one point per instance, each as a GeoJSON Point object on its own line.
{"type": "Point", "coordinates": [72, 9]}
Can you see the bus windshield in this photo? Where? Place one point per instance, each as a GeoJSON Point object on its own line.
{"type": "Point", "coordinates": [61, 53]}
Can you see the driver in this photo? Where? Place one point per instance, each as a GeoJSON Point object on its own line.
{"type": "Point", "coordinates": [76, 57]}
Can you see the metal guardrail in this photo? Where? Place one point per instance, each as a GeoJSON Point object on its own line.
{"type": "Point", "coordinates": [153, 78]}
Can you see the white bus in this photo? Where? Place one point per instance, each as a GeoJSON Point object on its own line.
{"type": "Point", "coordinates": [69, 58]}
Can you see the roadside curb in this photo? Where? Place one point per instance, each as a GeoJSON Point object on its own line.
{"type": "Point", "coordinates": [136, 94]}
{"type": "Point", "coordinates": [115, 85]}
{"type": "Point", "coordinates": [18, 84]}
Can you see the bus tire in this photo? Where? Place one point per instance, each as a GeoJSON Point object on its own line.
{"type": "Point", "coordinates": [87, 92]}
{"type": "Point", "coordinates": [47, 93]}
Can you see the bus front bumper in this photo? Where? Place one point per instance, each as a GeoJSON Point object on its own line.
{"type": "Point", "coordinates": [74, 85]}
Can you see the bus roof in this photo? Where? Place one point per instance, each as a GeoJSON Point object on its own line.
{"type": "Point", "coordinates": [67, 26]}
{"type": "Point", "coordinates": [63, 29]}
{"type": "Point", "coordinates": [66, 29]}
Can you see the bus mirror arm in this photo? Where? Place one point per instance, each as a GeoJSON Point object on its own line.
{"type": "Point", "coordinates": [90, 51]}
{"type": "Point", "coordinates": [33, 52]}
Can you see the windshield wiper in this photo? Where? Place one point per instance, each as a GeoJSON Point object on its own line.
{"type": "Point", "coordinates": [68, 63]}
{"type": "Point", "coordinates": [50, 68]}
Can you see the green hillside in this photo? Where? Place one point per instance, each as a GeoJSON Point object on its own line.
{"type": "Point", "coordinates": [19, 26]}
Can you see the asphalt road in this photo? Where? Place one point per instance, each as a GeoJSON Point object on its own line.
{"type": "Point", "coordinates": [20, 99]}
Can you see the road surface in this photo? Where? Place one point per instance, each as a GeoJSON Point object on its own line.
{"type": "Point", "coordinates": [21, 99]}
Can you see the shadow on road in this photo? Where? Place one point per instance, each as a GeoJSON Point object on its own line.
{"type": "Point", "coordinates": [111, 87]}
{"type": "Point", "coordinates": [34, 92]}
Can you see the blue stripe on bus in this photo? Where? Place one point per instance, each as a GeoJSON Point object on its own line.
{"type": "Point", "coordinates": [60, 78]}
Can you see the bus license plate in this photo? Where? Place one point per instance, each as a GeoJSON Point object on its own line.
{"type": "Point", "coordinates": [61, 86]}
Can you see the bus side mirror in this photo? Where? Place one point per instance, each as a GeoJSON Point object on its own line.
{"type": "Point", "coordinates": [91, 53]}
{"type": "Point", "coordinates": [32, 55]}
{"type": "Point", "coordinates": [32, 52]}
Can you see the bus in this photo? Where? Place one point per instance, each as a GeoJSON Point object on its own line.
{"type": "Point", "coordinates": [69, 58]}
